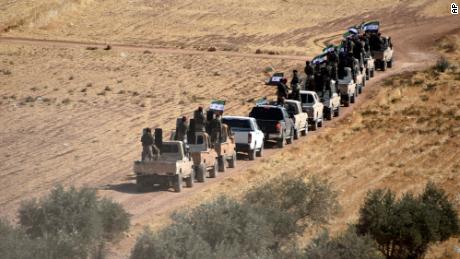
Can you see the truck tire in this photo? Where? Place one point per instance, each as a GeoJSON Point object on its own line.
{"type": "Point", "coordinates": [291, 138]}
{"type": "Point", "coordinates": [141, 184]}
{"type": "Point", "coordinates": [305, 130]}
{"type": "Point", "coordinates": [281, 141]}
{"type": "Point", "coordinates": [232, 161]}
{"type": "Point", "coordinates": [390, 63]}
{"type": "Point", "coordinates": [372, 72]}
{"type": "Point", "coordinates": [329, 114]}
{"type": "Point", "coordinates": [368, 74]}
{"type": "Point", "coordinates": [347, 101]}
{"type": "Point", "coordinates": [200, 173]}
{"type": "Point", "coordinates": [360, 89]}
{"type": "Point", "coordinates": [384, 65]}
{"type": "Point", "coordinates": [320, 123]}
{"type": "Point", "coordinates": [353, 98]}
{"type": "Point", "coordinates": [296, 134]}
{"type": "Point", "coordinates": [189, 180]}
{"type": "Point", "coordinates": [260, 152]}
{"type": "Point", "coordinates": [177, 183]}
{"type": "Point", "coordinates": [314, 126]}
{"type": "Point", "coordinates": [252, 154]}
{"type": "Point", "coordinates": [213, 170]}
{"type": "Point", "coordinates": [221, 164]}
{"type": "Point", "coordinates": [364, 82]}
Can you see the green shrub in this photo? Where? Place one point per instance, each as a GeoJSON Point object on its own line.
{"type": "Point", "coordinates": [345, 246]}
{"type": "Point", "coordinates": [72, 223]}
{"type": "Point", "coordinates": [406, 227]}
{"type": "Point", "coordinates": [14, 243]}
{"type": "Point", "coordinates": [442, 65]}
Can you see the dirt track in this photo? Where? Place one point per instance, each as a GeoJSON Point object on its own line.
{"type": "Point", "coordinates": [412, 48]}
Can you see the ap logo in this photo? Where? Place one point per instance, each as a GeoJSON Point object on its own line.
{"type": "Point", "coordinates": [454, 8]}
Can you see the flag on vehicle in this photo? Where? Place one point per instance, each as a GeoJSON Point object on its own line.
{"type": "Point", "coordinates": [319, 59]}
{"type": "Point", "coordinates": [347, 35]}
{"type": "Point", "coordinates": [371, 26]}
{"type": "Point", "coordinates": [353, 30]}
{"type": "Point", "coordinates": [217, 105]}
{"type": "Point", "coordinates": [329, 48]}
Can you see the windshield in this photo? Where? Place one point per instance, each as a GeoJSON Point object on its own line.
{"type": "Point", "coordinates": [266, 113]}
{"type": "Point", "coordinates": [307, 98]}
{"type": "Point", "coordinates": [238, 124]}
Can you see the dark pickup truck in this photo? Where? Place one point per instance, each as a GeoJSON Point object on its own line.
{"type": "Point", "coordinates": [275, 123]}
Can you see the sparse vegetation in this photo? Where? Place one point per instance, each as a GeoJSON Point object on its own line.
{"type": "Point", "coordinates": [442, 65]}
{"type": "Point", "coordinates": [406, 227]}
{"type": "Point", "coordinates": [66, 224]}
{"type": "Point", "coordinates": [254, 227]}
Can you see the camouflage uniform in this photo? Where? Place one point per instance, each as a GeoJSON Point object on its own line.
{"type": "Point", "coordinates": [182, 129]}
{"type": "Point", "coordinates": [147, 142]}
{"type": "Point", "coordinates": [200, 120]}
{"type": "Point", "coordinates": [216, 130]}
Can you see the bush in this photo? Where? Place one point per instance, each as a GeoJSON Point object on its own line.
{"type": "Point", "coordinates": [406, 227]}
{"type": "Point", "coordinates": [14, 243]}
{"type": "Point", "coordinates": [346, 245]}
{"type": "Point", "coordinates": [72, 223]}
{"type": "Point", "coordinates": [310, 202]}
{"type": "Point", "coordinates": [442, 65]}
{"type": "Point", "coordinates": [252, 228]}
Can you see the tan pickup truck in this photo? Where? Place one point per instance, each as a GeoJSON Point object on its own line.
{"type": "Point", "coordinates": [384, 57]}
{"type": "Point", "coordinates": [226, 149]}
{"type": "Point", "coordinates": [203, 156]}
{"type": "Point", "coordinates": [347, 88]}
{"type": "Point", "coordinates": [312, 105]}
{"type": "Point", "coordinates": [171, 168]}
{"type": "Point", "coordinates": [299, 117]}
{"type": "Point", "coordinates": [331, 102]}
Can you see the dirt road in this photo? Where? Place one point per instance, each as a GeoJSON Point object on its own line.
{"type": "Point", "coordinates": [111, 173]}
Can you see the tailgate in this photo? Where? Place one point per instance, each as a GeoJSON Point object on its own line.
{"type": "Point", "coordinates": [241, 137]}
{"type": "Point", "coordinates": [155, 167]}
{"type": "Point", "coordinates": [267, 126]}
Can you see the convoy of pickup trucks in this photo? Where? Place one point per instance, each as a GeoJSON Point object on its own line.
{"type": "Point", "coordinates": [210, 145]}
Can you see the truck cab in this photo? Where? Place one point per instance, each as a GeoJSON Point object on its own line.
{"type": "Point", "coordinates": [312, 105]}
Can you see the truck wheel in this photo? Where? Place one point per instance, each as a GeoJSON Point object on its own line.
{"type": "Point", "coordinates": [296, 134]}
{"type": "Point", "coordinates": [384, 65]}
{"type": "Point", "coordinates": [252, 154]}
{"type": "Point", "coordinates": [364, 82]}
{"type": "Point", "coordinates": [141, 184]}
{"type": "Point", "coordinates": [368, 74]}
{"type": "Point", "coordinates": [291, 138]}
{"type": "Point", "coordinates": [305, 130]}
{"type": "Point", "coordinates": [329, 114]}
{"type": "Point", "coordinates": [232, 161]}
{"type": "Point", "coordinates": [314, 126]}
{"type": "Point", "coordinates": [360, 89]}
{"type": "Point", "coordinates": [372, 72]}
{"type": "Point", "coordinates": [261, 151]}
{"type": "Point", "coordinates": [189, 180]}
{"type": "Point", "coordinates": [353, 98]}
{"type": "Point", "coordinates": [281, 141]}
{"type": "Point", "coordinates": [337, 112]}
{"type": "Point", "coordinates": [320, 123]}
{"type": "Point", "coordinates": [177, 183]}
{"type": "Point", "coordinates": [221, 163]}
{"type": "Point", "coordinates": [213, 170]}
{"type": "Point", "coordinates": [199, 172]}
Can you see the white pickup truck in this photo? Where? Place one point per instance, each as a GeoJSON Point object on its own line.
{"type": "Point", "coordinates": [248, 137]}
{"type": "Point", "coordinates": [312, 105]}
{"type": "Point", "coordinates": [348, 88]}
{"type": "Point", "coordinates": [298, 116]}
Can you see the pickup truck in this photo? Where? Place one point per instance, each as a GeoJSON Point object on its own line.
{"type": "Point", "coordinates": [248, 137]}
{"type": "Point", "coordinates": [275, 123]}
{"type": "Point", "coordinates": [312, 105]}
{"type": "Point", "coordinates": [369, 63]}
{"type": "Point", "coordinates": [171, 168]}
{"type": "Point", "coordinates": [384, 56]}
{"type": "Point", "coordinates": [203, 156]}
{"type": "Point", "coordinates": [226, 149]}
{"type": "Point", "coordinates": [347, 88]}
{"type": "Point", "coordinates": [298, 116]}
{"type": "Point", "coordinates": [331, 102]}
